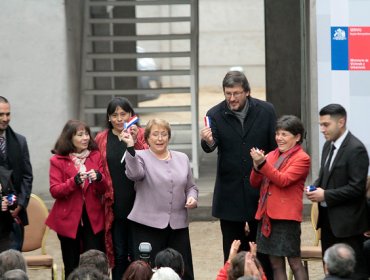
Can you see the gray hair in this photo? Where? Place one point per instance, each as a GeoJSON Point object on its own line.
{"type": "Point", "coordinates": [95, 258]}
{"type": "Point", "coordinates": [340, 260]}
{"type": "Point", "coordinates": [15, 274]}
{"type": "Point", "coordinates": [12, 259]}
{"type": "Point", "coordinates": [165, 273]}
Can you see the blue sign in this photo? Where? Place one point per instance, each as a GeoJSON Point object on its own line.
{"type": "Point", "coordinates": [339, 48]}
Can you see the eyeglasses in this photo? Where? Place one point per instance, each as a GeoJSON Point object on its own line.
{"type": "Point", "coordinates": [159, 135]}
{"type": "Point", "coordinates": [236, 94]}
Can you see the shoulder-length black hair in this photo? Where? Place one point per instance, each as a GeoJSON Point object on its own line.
{"type": "Point", "coordinates": [121, 102]}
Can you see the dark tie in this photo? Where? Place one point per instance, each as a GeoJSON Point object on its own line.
{"type": "Point", "coordinates": [326, 170]}
{"type": "Point", "coordinates": [2, 147]}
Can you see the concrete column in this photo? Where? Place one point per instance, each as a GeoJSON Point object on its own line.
{"type": "Point", "coordinates": [283, 55]}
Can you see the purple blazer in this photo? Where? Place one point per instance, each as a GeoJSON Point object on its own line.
{"type": "Point", "coordinates": [162, 188]}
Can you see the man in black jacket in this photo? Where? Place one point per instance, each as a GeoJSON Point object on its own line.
{"type": "Point", "coordinates": [341, 186]}
{"type": "Point", "coordinates": [14, 156]}
{"type": "Point", "coordinates": [237, 124]}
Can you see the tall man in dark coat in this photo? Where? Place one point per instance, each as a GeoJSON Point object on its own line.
{"type": "Point", "coordinates": [237, 124]}
{"type": "Point", "coordinates": [341, 186]}
{"type": "Point", "coordinates": [14, 156]}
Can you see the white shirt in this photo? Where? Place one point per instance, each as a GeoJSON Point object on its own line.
{"type": "Point", "coordinates": [337, 143]}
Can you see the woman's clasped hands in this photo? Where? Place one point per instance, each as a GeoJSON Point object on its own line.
{"type": "Point", "coordinates": [258, 157]}
{"type": "Point", "coordinates": [91, 175]}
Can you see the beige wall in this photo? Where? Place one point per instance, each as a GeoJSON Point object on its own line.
{"type": "Point", "coordinates": [35, 77]}
{"type": "Point", "coordinates": [231, 34]}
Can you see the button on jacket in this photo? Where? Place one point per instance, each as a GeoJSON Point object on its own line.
{"type": "Point", "coordinates": [162, 188]}
{"type": "Point", "coordinates": [233, 198]}
{"type": "Point", "coordinates": [285, 193]}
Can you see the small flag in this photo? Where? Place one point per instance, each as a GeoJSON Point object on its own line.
{"type": "Point", "coordinates": [207, 121]}
{"type": "Point", "coordinates": [131, 121]}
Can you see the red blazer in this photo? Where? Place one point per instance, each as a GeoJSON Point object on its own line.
{"type": "Point", "coordinates": [222, 274]}
{"type": "Point", "coordinates": [66, 212]}
{"type": "Point", "coordinates": [285, 194]}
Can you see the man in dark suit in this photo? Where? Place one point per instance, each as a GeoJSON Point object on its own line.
{"type": "Point", "coordinates": [14, 156]}
{"type": "Point", "coordinates": [341, 186]}
{"type": "Point", "coordinates": [238, 124]}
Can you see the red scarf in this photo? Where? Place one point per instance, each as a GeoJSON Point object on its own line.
{"type": "Point", "coordinates": [262, 206]}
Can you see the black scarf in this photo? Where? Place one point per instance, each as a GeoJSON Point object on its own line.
{"type": "Point", "coordinates": [14, 157]}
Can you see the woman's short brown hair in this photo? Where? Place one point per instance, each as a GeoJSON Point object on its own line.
{"type": "Point", "coordinates": [159, 122]}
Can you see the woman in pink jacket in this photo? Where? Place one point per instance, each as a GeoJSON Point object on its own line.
{"type": "Point", "coordinates": [77, 183]}
{"type": "Point", "coordinates": [280, 175]}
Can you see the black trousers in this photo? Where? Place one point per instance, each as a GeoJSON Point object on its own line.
{"type": "Point", "coordinates": [85, 240]}
{"type": "Point", "coordinates": [121, 235]}
{"type": "Point", "coordinates": [5, 243]}
{"type": "Point", "coordinates": [235, 231]}
{"type": "Point", "coordinates": [161, 239]}
{"type": "Point", "coordinates": [356, 242]}
{"type": "Point", "coordinates": [17, 236]}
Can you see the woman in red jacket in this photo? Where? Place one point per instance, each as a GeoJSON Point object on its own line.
{"type": "Point", "coordinates": [77, 183]}
{"type": "Point", "coordinates": [280, 175]}
{"type": "Point", "coordinates": [120, 193]}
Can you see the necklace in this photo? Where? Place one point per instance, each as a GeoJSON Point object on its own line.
{"type": "Point", "coordinates": [168, 155]}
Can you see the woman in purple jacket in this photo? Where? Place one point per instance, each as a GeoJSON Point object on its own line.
{"type": "Point", "coordinates": [165, 189]}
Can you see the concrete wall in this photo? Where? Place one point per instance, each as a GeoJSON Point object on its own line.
{"type": "Point", "coordinates": [231, 34]}
{"type": "Point", "coordinates": [35, 76]}
{"type": "Point", "coordinates": [39, 55]}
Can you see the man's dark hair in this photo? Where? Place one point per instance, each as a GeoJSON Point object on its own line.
{"type": "Point", "coordinates": [170, 258]}
{"type": "Point", "coordinates": [3, 99]}
{"type": "Point", "coordinates": [292, 124]}
{"type": "Point", "coordinates": [96, 259]}
{"type": "Point", "coordinates": [236, 78]}
{"type": "Point", "coordinates": [340, 260]}
{"type": "Point", "coordinates": [334, 110]}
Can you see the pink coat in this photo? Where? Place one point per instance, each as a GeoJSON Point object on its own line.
{"type": "Point", "coordinates": [66, 212]}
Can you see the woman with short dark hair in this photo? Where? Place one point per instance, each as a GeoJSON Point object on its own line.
{"type": "Point", "coordinates": [281, 175]}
